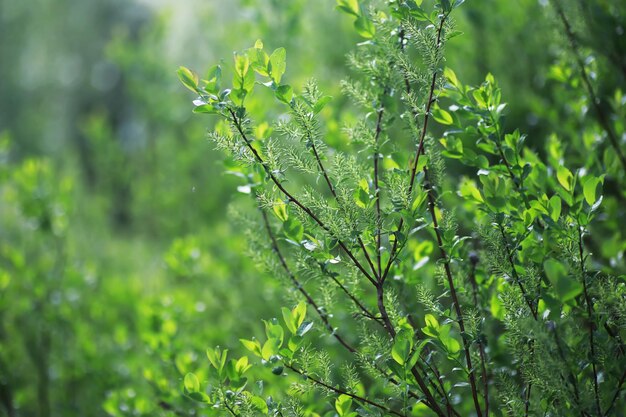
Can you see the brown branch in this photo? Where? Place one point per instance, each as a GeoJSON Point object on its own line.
{"type": "Point", "coordinates": [292, 198]}
{"type": "Point", "coordinates": [334, 193]}
{"type": "Point", "coordinates": [481, 347]}
{"type": "Point", "coordinates": [420, 148]}
{"type": "Point", "coordinates": [457, 305]}
{"type": "Point", "coordinates": [515, 274]}
{"type": "Point", "coordinates": [377, 190]}
{"type": "Point", "coordinates": [590, 314]}
{"type": "Point", "coordinates": [342, 392]}
{"type": "Point", "coordinates": [299, 285]}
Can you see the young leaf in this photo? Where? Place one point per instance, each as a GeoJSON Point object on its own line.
{"type": "Point", "coordinates": [343, 404]}
{"type": "Point", "coordinates": [284, 93]}
{"type": "Point", "coordinates": [349, 6]}
{"type": "Point", "coordinates": [442, 116]}
{"type": "Point", "coordinates": [289, 320]}
{"type": "Point", "coordinates": [188, 78]}
{"type": "Point", "coordinates": [277, 64]}
{"type": "Point", "coordinates": [565, 177]}
{"type": "Point", "coordinates": [191, 383]}
{"type": "Point", "coordinates": [365, 27]}
{"type": "Point", "coordinates": [565, 286]}
{"type": "Point", "coordinates": [293, 229]}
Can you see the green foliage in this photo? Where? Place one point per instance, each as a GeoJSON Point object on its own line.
{"type": "Point", "coordinates": [495, 270]}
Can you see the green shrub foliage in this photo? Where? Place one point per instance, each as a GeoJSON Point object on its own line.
{"type": "Point", "coordinates": [451, 265]}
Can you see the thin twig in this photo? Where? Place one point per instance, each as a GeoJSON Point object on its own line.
{"type": "Point", "coordinates": [292, 198]}
{"type": "Point", "coordinates": [377, 190]}
{"type": "Point", "coordinates": [617, 392]}
{"type": "Point", "coordinates": [420, 149]}
{"type": "Point", "coordinates": [481, 347]}
{"type": "Point", "coordinates": [590, 314]}
{"type": "Point", "coordinates": [342, 392]}
{"type": "Point", "coordinates": [457, 305]}
{"type": "Point", "coordinates": [515, 274]}
{"type": "Point", "coordinates": [331, 187]}
{"type": "Point", "coordinates": [299, 285]}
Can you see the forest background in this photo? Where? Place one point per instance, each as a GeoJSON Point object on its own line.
{"type": "Point", "coordinates": [119, 262]}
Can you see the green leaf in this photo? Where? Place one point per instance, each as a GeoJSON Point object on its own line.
{"type": "Point", "coordinates": [188, 78]}
{"type": "Point", "coordinates": [299, 313]}
{"type": "Point", "coordinates": [260, 404]}
{"type": "Point", "coordinates": [304, 328]}
{"type": "Point", "coordinates": [365, 27]}
{"type": "Point", "coordinates": [274, 331]}
{"type": "Point", "coordinates": [555, 207]}
{"type": "Point", "coordinates": [321, 103]}
{"type": "Point", "coordinates": [253, 346]}
{"type": "Point", "coordinates": [349, 6]}
{"type": "Point", "coordinates": [431, 321]}
{"type": "Point", "coordinates": [205, 109]}
{"type": "Point", "coordinates": [589, 190]}
{"type": "Point", "coordinates": [213, 79]}
{"type": "Point", "coordinates": [242, 63]}
{"type": "Point", "coordinates": [399, 351]}
{"type": "Point", "coordinates": [451, 77]}
{"type": "Point", "coordinates": [343, 404]}
{"type": "Point", "coordinates": [277, 64]}
{"type": "Point", "coordinates": [362, 194]}
{"type": "Point", "coordinates": [442, 116]}
{"type": "Point", "coordinates": [270, 348]}
{"type": "Point", "coordinates": [565, 286]}
{"type": "Point", "coordinates": [565, 177]}
{"type": "Point", "coordinates": [284, 93]}
{"type": "Point", "coordinates": [280, 210]}
{"type": "Point", "coordinates": [288, 320]}
{"type": "Point", "coordinates": [293, 229]}
{"type": "Point", "coordinates": [242, 365]}
{"type": "Point", "coordinates": [191, 383]}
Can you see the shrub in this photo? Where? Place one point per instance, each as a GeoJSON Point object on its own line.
{"type": "Point", "coordinates": [457, 291]}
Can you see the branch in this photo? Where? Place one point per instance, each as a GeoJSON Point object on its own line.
{"type": "Point", "coordinates": [332, 189]}
{"type": "Point", "coordinates": [420, 147]}
{"type": "Point", "coordinates": [481, 346]}
{"type": "Point", "coordinates": [590, 314]}
{"type": "Point", "coordinates": [342, 392]}
{"type": "Point", "coordinates": [515, 275]}
{"type": "Point", "coordinates": [377, 190]}
{"type": "Point", "coordinates": [455, 300]}
{"type": "Point", "coordinates": [299, 285]}
{"type": "Point", "coordinates": [304, 208]}
{"type": "Point", "coordinates": [617, 392]}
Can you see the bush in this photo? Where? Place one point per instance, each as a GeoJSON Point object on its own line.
{"type": "Point", "coordinates": [450, 291]}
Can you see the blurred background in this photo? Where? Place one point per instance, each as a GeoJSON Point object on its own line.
{"type": "Point", "coordinates": [118, 262]}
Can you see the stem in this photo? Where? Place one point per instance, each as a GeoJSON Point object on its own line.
{"type": "Point", "coordinates": [342, 392]}
{"type": "Point", "coordinates": [527, 401]}
{"type": "Point", "coordinates": [420, 147]}
{"type": "Point", "coordinates": [590, 314]}
{"type": "Point", "coordinates": [602, 117]}
{"type": "Point", "coordinates": [455, 300]}
{"type": "Point", "coordinates": [228, 407]}
{"type": "Point", "coordinates": [376, 187]}
{"type": "Point", "coordinates": [514, 273]}
{"type": "Point", "coordinates": [572, 377]}
{"type": "Point", "coordinates": [332, 190]}
{"type": "Point", "coordinates": [481, 347]}
{"type": "Point", "coordinates": [355, 300]}
{"type": "Point", "coordinates": [299, 285]}
{"type": "Point", "coordinates": [304, 208]}
{"type": "Point", "coordinates": [617, 392]}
